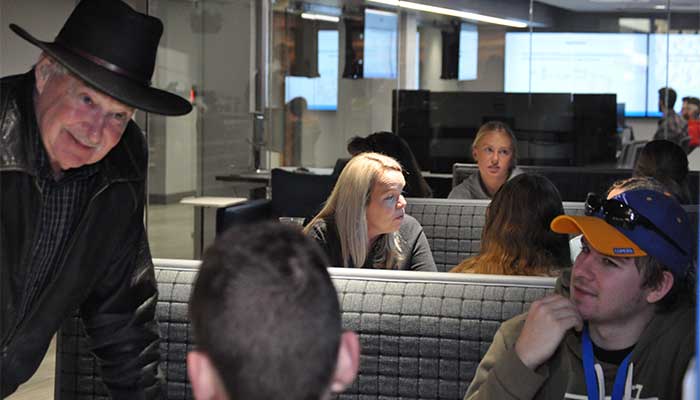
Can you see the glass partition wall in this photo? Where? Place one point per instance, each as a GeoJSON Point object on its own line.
{"type": "Point", "coordinates": [576, 80]}
{"type": "Point", "coordinates": [289, 83]}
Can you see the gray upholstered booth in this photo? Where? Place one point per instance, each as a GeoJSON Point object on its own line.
{"type": "Point", "coordinates": [422, 334]}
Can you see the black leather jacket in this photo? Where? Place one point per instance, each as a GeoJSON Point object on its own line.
{"type": "Point", "coordinates": [107, 272]}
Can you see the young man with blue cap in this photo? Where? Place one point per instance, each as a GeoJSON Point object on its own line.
{"type": "Point", "coordinates": [626, 328]}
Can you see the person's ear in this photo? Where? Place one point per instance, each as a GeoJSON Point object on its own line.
{"type": "Point", "coordinates": [348, 362]}
{"type": "Point", "coordinates": [42, 72]}
{"type": "Point", "coordinates": [662, 289]}
{"type": "Point", "coordinates": [204, 378]}
{"type": "Point", "coordinates": [474, 154]}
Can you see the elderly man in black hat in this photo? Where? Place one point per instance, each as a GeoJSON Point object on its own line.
{"type": "Point", "coordinates": [72, 190]}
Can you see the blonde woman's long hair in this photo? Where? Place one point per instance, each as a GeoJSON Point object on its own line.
{"type": "Point", "coordinates": [347, 205]}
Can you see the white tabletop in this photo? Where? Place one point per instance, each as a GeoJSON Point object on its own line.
{"type": "Point", "coordinates": [214, 202]}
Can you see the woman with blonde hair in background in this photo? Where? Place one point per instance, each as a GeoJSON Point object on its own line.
{"type": "Point", "coordinates": [495, 151]}
{"type": "Point", "coordinates": [516, 239]}
{"type": "Point", "coordinates": [364, 224]}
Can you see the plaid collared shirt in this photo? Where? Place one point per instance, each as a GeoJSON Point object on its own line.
{"type": "Point", "coordinates": [63, 202]}
{"type": "Point", "coordinates": [672, 127]}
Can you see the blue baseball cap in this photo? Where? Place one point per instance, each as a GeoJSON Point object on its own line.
{"type": "Point", "coordinates": [655, 224]}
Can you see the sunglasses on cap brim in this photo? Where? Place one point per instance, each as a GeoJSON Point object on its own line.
{"type": "Point", "coordinates": [619, 214]}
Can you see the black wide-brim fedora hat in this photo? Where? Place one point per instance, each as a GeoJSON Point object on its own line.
{"type": "Point", "coordinates": [113, 48]}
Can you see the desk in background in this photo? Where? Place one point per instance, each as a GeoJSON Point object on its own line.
{"type": "Point", "coordinates": [205, 208]}
{"type": "Point", "coordinates": [263, 178]}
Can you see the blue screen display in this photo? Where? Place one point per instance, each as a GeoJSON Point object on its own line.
{"type": "Point", "coordinates": [579, 63]}
{"type": "Point", "coordinates": [468, 52]}
{"type": "Point", "coordinates": [631, 65]}
{"type": "Point", "coordinates": [683, 68]}
{"type": "Point", "coordinates": [381, 38]}
{"type": "Point", "coordinates": [321, 93]}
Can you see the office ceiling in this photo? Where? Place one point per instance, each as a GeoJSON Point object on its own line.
{"type": "Point", "coordinates": [624, 5]}
{"type": "Point", "coordinates": [572, 5]}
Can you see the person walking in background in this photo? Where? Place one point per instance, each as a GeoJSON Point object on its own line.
{"type": "Point", "coordinates": [691, 113]}
{"type": "Point", "coordinates": [72, 191]}
{"type": "Point", "coordinates": [671, 127]}
{"type": "Point", "coordinates": [690, 110]}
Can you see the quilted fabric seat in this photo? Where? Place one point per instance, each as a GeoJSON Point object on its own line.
{"type": "Point", "coordinates": [422, 334]}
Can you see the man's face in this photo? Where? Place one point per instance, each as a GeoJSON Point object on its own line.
{"type": "Point", "coordinates": [690, 111]}
{"type": "Point", "coordinates": [605, 288]}
{"type": "Point", "coordinates": [79, 125]}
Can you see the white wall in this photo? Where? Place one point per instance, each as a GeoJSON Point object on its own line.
{"type": "Point", "coordinates": [42, 19]}
{"type": "Point", "coordinates": [644, 128]}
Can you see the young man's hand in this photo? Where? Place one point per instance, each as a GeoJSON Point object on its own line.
{"type": "Point", "coordinates": [547, 321]}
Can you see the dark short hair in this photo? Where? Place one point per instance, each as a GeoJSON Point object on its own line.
{"type": "Point", "coordinates": [265, 311]}
{"type": "Point", "coordinates": [683, 290]}
{"type": "Point", "coordinates": [692, 100]}
{"type": "Point", "coordinates": [671, 96]}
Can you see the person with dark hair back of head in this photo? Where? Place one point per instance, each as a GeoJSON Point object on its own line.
{"type": "Point", "coordinates": [667, 163]}
{"type": "Point", "coordinates": [266, 320]}
{"type": "Point", "coordinates": [621, 324]}
{"type": "Point", "coordinates": [514, 242]}
{"type": "Point", "coordinates": [396, 147]}
{"type": "Point", "coordinates": [495, 150]}
{"type": "Point", "coordinates": [672, 127]}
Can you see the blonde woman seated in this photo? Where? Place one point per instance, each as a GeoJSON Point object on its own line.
{"type": "Point", "coordinates": [495, 151]}
{"type": "Point", "coordinates": [364, 223]}
{"type": "Point", "coordinates": [516, 239]}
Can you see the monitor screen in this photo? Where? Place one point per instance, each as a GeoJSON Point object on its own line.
{"type": "Point", "coordinates": [468, 52]}
{"type": "Point", "coordinates": [320, 93]}
{"type": "Point", "coordinates": [683, 71]}
{"type": "Point", "coordinates": [579, 63]}
{"type": "Point", "coordinates": [381, 37]}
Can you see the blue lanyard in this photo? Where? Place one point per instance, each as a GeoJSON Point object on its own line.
{"type": "Point", "coordinates": [589, 370]}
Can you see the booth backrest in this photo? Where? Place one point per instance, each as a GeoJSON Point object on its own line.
{"type": "Point", "coordinates": [575, 182]}
{"type": "Point", "coordinates": [422, 334]}
{"type": "Point", "coordinates": [453, 227]}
